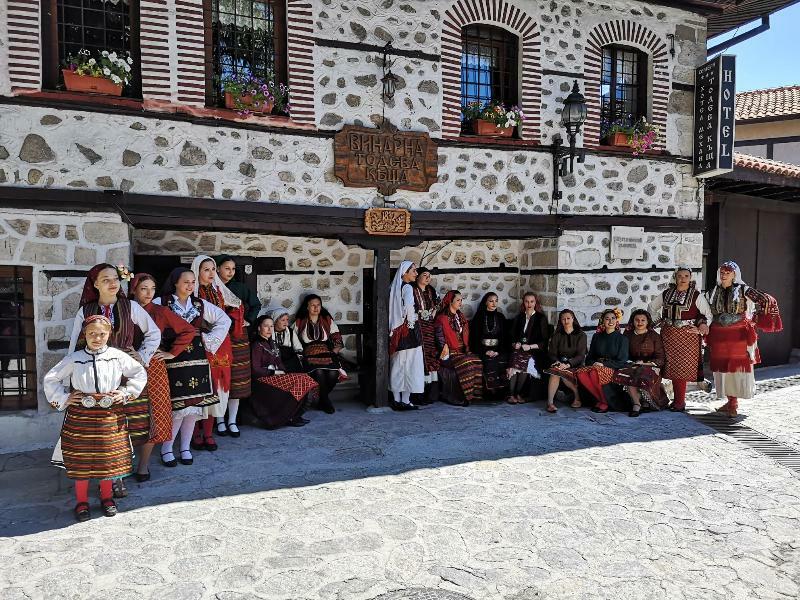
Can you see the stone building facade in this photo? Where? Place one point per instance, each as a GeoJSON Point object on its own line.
{"type": "Point", "coordinates": [70, 164]}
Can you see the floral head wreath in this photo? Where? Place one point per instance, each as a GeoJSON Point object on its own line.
{"type": "Point", "coordinates": [617, 313]}
{"type": "Point", "coordinates": [124, 273]}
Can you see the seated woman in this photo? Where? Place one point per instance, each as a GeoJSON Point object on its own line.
{"type": "Point", "coordinates": [643, 378]}
{"type": "Point", "coordinates": [94, 437]}
{"type": "Point", "coordinates": [528, 332]}
{"type": "Point", "coordinates": [460, 372]}
{"type": "Point", "coordinates": [322, 343]}
{"type": "Point", "coordinates": [488, 341]}
{"type": "Point", "coordinates": [279, 398]}
{"type": "Point", "coordinates": [566, 352]}
{"type": "Point", "coordinates": [287, 340]}
{"type": "Point", "coordinates": [607, 352]}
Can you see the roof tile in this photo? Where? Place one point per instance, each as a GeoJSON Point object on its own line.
{"type": "Point", "coordinates": [773, 102]}
{"type": "Point", "coordinates": [765, 165]}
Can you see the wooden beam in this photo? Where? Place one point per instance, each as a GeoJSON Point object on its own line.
{"type": "Point", "coordinates": [379, 391]}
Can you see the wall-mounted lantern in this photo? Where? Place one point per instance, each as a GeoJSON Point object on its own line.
{"type": "Point", "coordinates": [573, 116]}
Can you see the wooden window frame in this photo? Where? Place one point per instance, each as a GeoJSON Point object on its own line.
{"type": "Point", "coordinates": [28, 399]}
{"type": "Point", "coordinates": [642, 77]}
{"type": "Point", "coordinates": [512, 86]}
{"type": "Point", "coordinates": [279, 42]}
{"type": "Point", "coordinates": [51, 69]}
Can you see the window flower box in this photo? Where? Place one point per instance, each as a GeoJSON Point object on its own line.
{"type": "Point", "coordinates": [90, 85]}
{"type": "Point", "coordinates": [489, 129]}
{"type": "Point", "coordinates": [249, 104]}
{"type": "Point", "coordinates": [618, 139]}
{"type": "Point", "coordinates": [105, 73]}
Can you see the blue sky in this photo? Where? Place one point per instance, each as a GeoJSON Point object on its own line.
{"type": "Point", "coordinates": [771, 59]}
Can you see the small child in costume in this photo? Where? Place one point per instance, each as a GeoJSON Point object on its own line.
{"type": "Point", "coordinates": [87, 384]}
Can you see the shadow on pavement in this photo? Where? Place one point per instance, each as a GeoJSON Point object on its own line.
{"type": "Point", "coordinates": [352, 444]}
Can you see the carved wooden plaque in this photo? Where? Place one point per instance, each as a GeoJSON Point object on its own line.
{"type": "Point", "coordinates": [387, 221]}
{"type": "Point", "coordinates": [385, 158]}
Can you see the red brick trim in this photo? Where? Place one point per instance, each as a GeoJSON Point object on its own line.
{"type": "Point", "coordinates": [154, 34]}
{"type": "Point", "coordinates": [300, 60]}
{"type": "Point", "coordinates": [24, 44]}
{"type": "Point", "coordinates": [191, 64]}
{"type": "Point", "coordinates": [506, 15]}
{"type": "Point", "coordinates": [629, 33]}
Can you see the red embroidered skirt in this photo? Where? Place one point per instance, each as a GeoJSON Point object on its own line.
{"type": "Point", "coordinates": [240, 366]}
{"type": "Point", "coordinates": [684, 353]}
{"type": "Point", "coordinates": [95, 443]}
{"type": "Point", "coordinates": [277, 399]}
{"type": "Point", "coordinates": [728, 346]}
{"type": "Point", "coordinates": [160, 402]}
{"type": "Point", "coordinates": [220, 364]}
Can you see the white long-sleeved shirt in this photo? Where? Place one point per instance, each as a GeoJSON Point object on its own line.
{"type": "Point", "coordinates": [219, 321]}
{"type": "Point", "coordinates": [657, 304]}
{"type": "Point", "coordinates": [93, 372]}
{"type": "Point", "coordinates": [140, 318]}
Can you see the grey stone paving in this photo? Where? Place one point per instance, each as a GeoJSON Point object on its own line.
{"type": "Point", "coordinates": [484, 503]}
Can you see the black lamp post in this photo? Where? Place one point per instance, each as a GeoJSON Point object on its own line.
{"type": "Point", "coordinates": [573, 115]}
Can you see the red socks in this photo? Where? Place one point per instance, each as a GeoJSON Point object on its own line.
{"type": "Point", "coordinates": [208, 428]}
{"type": "Point", "coordinates": [733, 403]}
{"type": "Point", "coordinates": [105, 489]}
{"type": "Point", "coordinates": [82, 490]}
{"type": "Point", "coordinates": [679, 388]}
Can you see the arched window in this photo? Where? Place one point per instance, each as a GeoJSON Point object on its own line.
{"type": "Point", "coordinates": [248, 39]}
{"type": "Point", "coordinates": [623, 87]}
{"type": "Point", "coordinates": [489, 65]}
{"type": "Point", "coordinates": [72, 26]}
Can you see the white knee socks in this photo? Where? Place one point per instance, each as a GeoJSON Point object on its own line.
{"type": "Point", "coordinates": [233, 410]}
{"type": "Point", "coordinates": [166, 447]}
{"type": "Point", "coordinates": [402, 397]}
{"type": "Point", "coordinates": [187, 429]}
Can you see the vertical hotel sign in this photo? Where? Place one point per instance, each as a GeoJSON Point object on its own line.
{"type": "Point", "coordinates": [714, 116]}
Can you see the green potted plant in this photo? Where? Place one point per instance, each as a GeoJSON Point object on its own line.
{"type": "Point", "coordinates": [248, 94]}
{"type": "Point", "coordinates": [107, 73]}
{"type": "Point", "coordinates": [492, 119]}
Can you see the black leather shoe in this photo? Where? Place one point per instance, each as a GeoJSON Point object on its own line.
{"type": "Point", "coordinates": [232, 433]}
{"type": "Point", "coordinates": [222, 432]}
{"type": "Point", "coordinates": [327, 407]}
{"type": "Point", "coordinates": [168, 463]}
{"type": "Point", "coordinates": [210, 445]}
{"type": "Point", "coordinates": [142, 477]}
{"type": "Point", "coordinates": [297, 423]}
{"type": "Point", "coordinates": [186, 461]}
{"type": "Point", "coordinates": [82, 512]}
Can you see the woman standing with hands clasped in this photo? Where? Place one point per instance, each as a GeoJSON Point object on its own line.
{"type": "Point", "coordinates": [406, 363]}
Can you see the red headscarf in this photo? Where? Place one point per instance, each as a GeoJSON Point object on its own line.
{"type": "Point", "coordinates": [90, 293]}
{"type": "Point", "coordinates": [95, 319]}
{"type": "Point", "coordinates": [137, 279]}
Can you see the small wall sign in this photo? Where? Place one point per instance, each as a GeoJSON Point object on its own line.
{"type": "Point", "coordinates": [387, 221]}
{"type": "Point", "coordinates": [627, 243]}
{"type": "Point", "coordinates": [385, 158]}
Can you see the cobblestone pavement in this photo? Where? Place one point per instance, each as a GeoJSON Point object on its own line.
{"type": "Point", "coordinates": [497, 502]}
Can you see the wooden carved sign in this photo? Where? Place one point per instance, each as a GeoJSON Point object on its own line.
{"type": "Point", "coordinates": [385, 158]}
{"type": "Point", "coordinates": [387, 221]}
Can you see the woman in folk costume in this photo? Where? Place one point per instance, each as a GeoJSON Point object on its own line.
{"type": "Point", "coordinates": [288, 342]}
{"type": "Point", "coordinates": [426, 302]}
{"type": "Point", "coordinates": [209, 287]}
{"type": "Point", "coordinates": [88, 385]}
{"type": "Point", "coordinates": [240, 344]}
{"type": "Point", "coordinates": [176, 335]}
{"type": "Point", "coordinates": [322, 343]}
{"type": "Point", "coordinates": [103, 295]}
{"type": "Point", "coordinates": [189, 373]}
{"type": "Point", "coordinates": [683, 314]}
{"type": "Point", "coordinates": [406, 363]}
{"type": "Point", "coordinates": [529, 333]}
{"type": "Point", "coordinates": [642, 379]}
{"type": "Point", "coordinates": [566, 352]}
{"type": "Point", "coordinates": [488, 332]}
{"type": "Point", "coordinates": [279, 397]}
{"type": "Point", "coordinates": [737, 310]}
{"type": "Point", "coordinates": [608, 351]}
{"type": "Point", "coordinates": [460, 372]}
